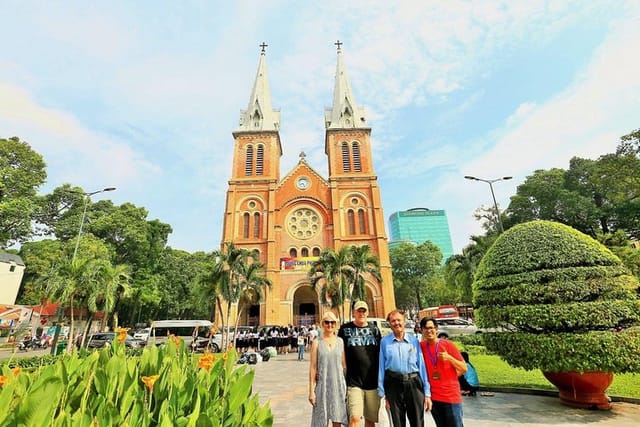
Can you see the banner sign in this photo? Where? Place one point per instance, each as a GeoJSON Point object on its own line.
{"type": "Point", "coordinates": [297, 264]}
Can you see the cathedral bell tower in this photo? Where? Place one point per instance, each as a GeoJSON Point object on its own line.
{"type": "Point", "coordinates": [357, 205]}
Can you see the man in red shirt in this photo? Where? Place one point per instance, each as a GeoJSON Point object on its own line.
{"type": "Point", "coordinates": [444, 364]}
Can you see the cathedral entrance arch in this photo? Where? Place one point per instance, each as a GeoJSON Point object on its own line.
{"type": "Point", "coordinates": [305, 306]}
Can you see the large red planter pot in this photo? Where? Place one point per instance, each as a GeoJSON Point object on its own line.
{"type": "Point", "coordinates": [582, 390]}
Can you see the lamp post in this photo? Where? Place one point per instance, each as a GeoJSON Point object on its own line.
{"type": "Point", "coordinates": [495, 204]}
{"type": "Point", "coordinates": [86, 196]}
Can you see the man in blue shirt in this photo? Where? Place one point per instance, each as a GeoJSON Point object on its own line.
{"type": "Point", "coordinates": [402, 375]}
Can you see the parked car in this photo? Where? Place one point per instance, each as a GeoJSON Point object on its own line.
{"type": "Point", "coordinates": [449, 327]}
{"type": "Point", "coordinates": [142, 334]}
{"type": "Point", "coordinates": [103, 339]}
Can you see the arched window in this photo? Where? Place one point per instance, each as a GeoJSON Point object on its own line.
{"type": "Point", "coordinates": [304, 252]}
{"type": "Point", "coordinates": [260, 159]}
{"type": "Point", "coordinates": [351, 221]}
{"type": "Point", "coordinates": [316, 251]}
{"type": "Point", "coordinates": [346, 164]}
{"type": "Point", "coordinates": [256, 225]}
{"type": "Point", "coordinates": [245, 225]}
{"type": "Point", "coordinates": [356, 157]}
{"type": "Point", "coordinates": [361, 221]}
{"type": "Point", "coordinates": [248, 164]}
{"type": "Point", "coordinates": [293, 253]}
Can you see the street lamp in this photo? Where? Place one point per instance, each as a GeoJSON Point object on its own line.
{"type": "Point", "coordinates": [495, 204]}
{"type": "Point", "coordinates": [87, 196]}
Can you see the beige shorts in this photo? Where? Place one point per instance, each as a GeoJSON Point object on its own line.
{"type": "Point", "coordinates": [363, 403]}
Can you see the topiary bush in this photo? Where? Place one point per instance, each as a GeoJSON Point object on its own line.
{"type": "Point", "coordinates": [563, 300]}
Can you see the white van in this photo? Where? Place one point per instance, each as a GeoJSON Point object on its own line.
{"type": "Point", "coordinates": [195, 333]}
{"type": "Point", "coordinates": [382, 324]}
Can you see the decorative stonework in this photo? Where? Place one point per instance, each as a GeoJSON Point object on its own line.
{"type": "Point", "coordinates": [303, 223]}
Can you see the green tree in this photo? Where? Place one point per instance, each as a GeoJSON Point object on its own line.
{"type": "Point", "coordinates": [252, 281]}
{"type": "Point", "coordinates": [39, 257]}
{"type": "Point", "coordinates": [459, 269]}
{"type": "Point", "coordinates": [230, 262]}
{"type": "Point", "coordinates": [331, 276]}
{"type": "Point", "coordinates": [416, 267]}
{"type": "Point", "coordinates": [364, 264]}
{"type": "Point", "coordinates": [22, 172]}
{"type": "Point", "coordinates": [629, 144]}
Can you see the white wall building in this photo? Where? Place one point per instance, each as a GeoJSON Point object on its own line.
{"type": "Point", "coordinates": [11, 272]}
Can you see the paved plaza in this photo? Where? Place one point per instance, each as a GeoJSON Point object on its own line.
{"type": "Point", "coordinates": [283, 382]}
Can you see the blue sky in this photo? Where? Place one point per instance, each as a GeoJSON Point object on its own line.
{"type": "Point", "coordinates": [144, 95]}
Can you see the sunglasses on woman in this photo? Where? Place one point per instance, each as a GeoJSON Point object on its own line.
{"type": "Point", "coordinates": [329, 322]}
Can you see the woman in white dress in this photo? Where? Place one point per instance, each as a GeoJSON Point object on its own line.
{"type": "Point", "coordinates": [327, 385]}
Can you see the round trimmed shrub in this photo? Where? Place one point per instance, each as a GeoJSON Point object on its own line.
{"type": "Point", "coordinates": [564, 301]}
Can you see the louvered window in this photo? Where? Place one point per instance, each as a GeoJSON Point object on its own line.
{"type": "Point", "coordinates": [248, 165]}
{"type": "Point", "coordinates": [352, 222]}
{"type": "Point", "coordinates": [304, 252]}
{"type": "Point", "coordinates": [361, 221]}
{"type": "Point", "coordinates": [356, 157]}
{"type": "Point", "coordinates": [260, 160]}
{"type": "Point", "coordinates": [245, 225]}
{"type": "Point", "coordinates": [346, 165]}
{"type": "Point", "coordinates": [293, 253]}
{"type": "Point", "coordinates": [316, 251]}
{"type": "Point", "coordinates": [256, 225]}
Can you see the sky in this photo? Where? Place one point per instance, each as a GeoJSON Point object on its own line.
{"type": "Point", "coordinates": [144, 96]}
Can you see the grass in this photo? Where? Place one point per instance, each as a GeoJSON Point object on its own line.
{"type": "Point", "coordinates": [494, 372]}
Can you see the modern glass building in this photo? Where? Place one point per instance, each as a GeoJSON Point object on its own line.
{"type": "Point", "coordinates": [418, 225]}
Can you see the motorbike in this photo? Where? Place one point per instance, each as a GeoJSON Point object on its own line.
{"type": "Point", "coordinates": [27, 344]}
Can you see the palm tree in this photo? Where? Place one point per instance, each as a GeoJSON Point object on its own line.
{"type": "Point", "coordinates": [331, 276]}
{"type": "Point", "coordinates": [252, 281]}
{"type": "Point", "coordinates": [67, 282]}
{"type": "Point", "coordinates": [111, 282]}
{"type": "Point", "coordinates": [229, 262]}
{"type": "Point", "coordinates": [364, 263]}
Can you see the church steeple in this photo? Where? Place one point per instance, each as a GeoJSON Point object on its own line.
{"type": "Point", "coordinates": [259, 115]}
{"type": "Point", "coordinates": [344, 113]}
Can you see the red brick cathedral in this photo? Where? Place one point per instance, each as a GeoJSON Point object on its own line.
{"type": "Point", "coordinates": [290, 219]}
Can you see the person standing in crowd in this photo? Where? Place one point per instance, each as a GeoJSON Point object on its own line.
{"type": "Point", "coordinates": [327, 386]}
{"type": "Point", "coordinates": [469, 382]}
{"type": "Point", "coordinates": [444, 364]}
{"type": "Point", "coordinates": [402, 376]}
{"type": "Point", "coordinates": [362, 351]}
{"type": "Point", "coordinates": [301, 341]}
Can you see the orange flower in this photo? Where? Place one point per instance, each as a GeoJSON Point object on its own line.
{"type": "Point", "coordinates": [176, 340]}
{"type": "Point", "coordinates": [16, 371]}
{"type": "Point", "coordinates": [4, 380]}
{"type": "Point", "coordinates": [225, 355]}
{"type": "Point", "coordinates": [150, 380]}
{"type": "Point", "coordinates": [206, 361]}
{"type": "Point", "coordinates": [122, 334]}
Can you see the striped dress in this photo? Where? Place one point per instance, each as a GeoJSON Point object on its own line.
{"type": "Point", "coordinates": [331, 387]}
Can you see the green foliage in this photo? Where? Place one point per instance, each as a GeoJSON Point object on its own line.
{"type": "Point", "coordinates": [416, 268]}
{"type": "Point", "coordinates": [340, 276]}
{"type": "Point", "coordinates": [565, 294]}
{"type": "Point", "coordinates": [593, 196]}
{"type": "Point", "coordinates": [108, 388]}
{"type": "Point", "coordinates": [22, 172]}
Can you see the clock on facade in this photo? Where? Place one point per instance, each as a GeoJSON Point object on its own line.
{"type": "Point", "coordinates": [303, 183]}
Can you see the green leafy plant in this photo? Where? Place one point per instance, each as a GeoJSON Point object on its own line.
{"type": "Point", "coordinates": [162, 387]}
{"type": "Point", "coordinates": [565, 301]}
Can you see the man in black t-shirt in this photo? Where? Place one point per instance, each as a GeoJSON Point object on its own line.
{"type": "Point", "coordinates": [362, 351]}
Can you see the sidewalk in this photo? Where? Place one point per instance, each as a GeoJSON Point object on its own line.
{"type": "Point", "coordinates": [283, 381]}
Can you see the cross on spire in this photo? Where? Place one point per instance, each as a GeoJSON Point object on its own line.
{"type": "Point", "coordinates": [338, 43]}
{"type": "Point", "coordinates": [263, 46]}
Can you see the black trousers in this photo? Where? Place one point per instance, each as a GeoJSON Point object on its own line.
{"type": "Point", "coordinates": [406, 400]}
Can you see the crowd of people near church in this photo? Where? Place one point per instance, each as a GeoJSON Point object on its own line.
{"type": "Point", "coordinates": [285, 339]}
